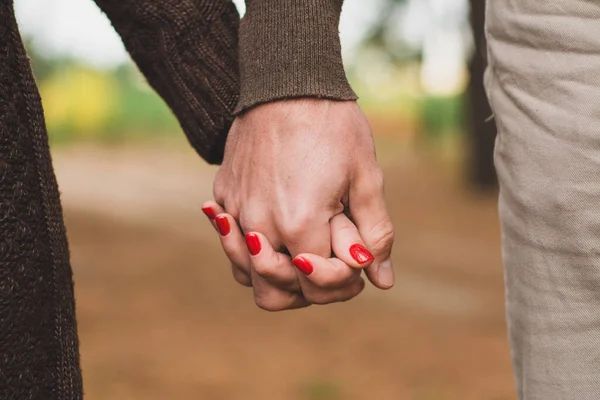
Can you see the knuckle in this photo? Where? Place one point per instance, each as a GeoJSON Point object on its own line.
{"type": "Point", "coordinates": [379, 178]}
{"type": "Point", "coordinates": [265, 270]}
{"type": "Point", "coordinates": [219, 190]}
{"type": "Point", "coordinates": [234, 252]}
{"type": "Point", "coordinates": [338, 296]}
{"type": "Point", "coordinates": [370, 188]}
{"type": "Point", "coordinates": [346, 228]}
{"type": "Point", "coordinates": [254, 216]}
{"type": "Point", "coordinates": [231, 207]}
{"type": "Point", "coordinates": [250, 222]}
{"type": "Point", "coordinates": [234, 212]}
{"type": "Point", "coordinates": [241, 277]}
{"type": "Point", "coordinates": [322, 299]}
{"type": "Point", "coordinates": [295, 226]}
{"type": "Point", "coordinates": [331, 281]}
{"type": "Point", "coordinates": [381, 237]}
{"type": "Point", "coordinates": [327, 282]}
{"type": "Point", "coordinates": [319, 299]}
{"type": "Point", "coordinates": [268, 304]}
{"type": "Point", "coordinates": [376, 181]}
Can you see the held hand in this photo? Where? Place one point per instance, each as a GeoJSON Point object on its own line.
{"type": "Point", "coordinates": [273, 275]}
{"type": "Point", "coordinates": [290, 167]}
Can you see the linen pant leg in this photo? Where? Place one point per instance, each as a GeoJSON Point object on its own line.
{"type": "Point", "coordinates": [543, 82]}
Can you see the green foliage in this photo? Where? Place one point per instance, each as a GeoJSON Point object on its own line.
{"type": "Point", "coordinates": [443, 115]}
{"type": "Point", "coordinates": [142, 111]}
{"type": "Point", "coordinates": [83, 103]}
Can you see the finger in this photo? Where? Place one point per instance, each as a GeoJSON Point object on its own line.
{"type": "Point", "coordinates": [325, 273]}
{"type": "Point", "coordinates": [271, 298]}
{"type": "Point", "coordinates": [220, 187]}
{"type": "Point", "coordinates": [369, 213]}
{"type": "Point", "coordinates": [329, 296]}
{"type": "Point", "coordinates": [211, 209]}
{"type": "Point", "coordinates": [307, 234]}
{"type": "Point", "coordinates": [275, 268]}
{"type": "Point", "coordinates": [347, 244]}
{"type": "Point", "coordinates": [312, 236]}
{"type": "Point", "coordinates": [240, 276]}
{"type": "Point", "coordinates": [235, 248]}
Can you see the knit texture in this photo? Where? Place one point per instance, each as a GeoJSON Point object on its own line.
{"type": "Point", "coordinates": [291, 48]}
{"type": "Point", "coordinates": [187, 49]}
{"type": "Point", "coordinates": [39, 356]}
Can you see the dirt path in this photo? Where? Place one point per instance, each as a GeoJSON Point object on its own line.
{"type": "Point", "coordinates": [160, 317]}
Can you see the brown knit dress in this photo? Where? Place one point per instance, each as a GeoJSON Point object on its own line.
{"type": "Point", "coordinates": [188, 51]}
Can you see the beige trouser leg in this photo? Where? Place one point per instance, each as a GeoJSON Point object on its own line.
{"type": "Point", "coordinates": [544, 86]}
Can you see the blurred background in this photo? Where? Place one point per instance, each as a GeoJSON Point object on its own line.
{"type": "Point", "coordinates": [160, 316]}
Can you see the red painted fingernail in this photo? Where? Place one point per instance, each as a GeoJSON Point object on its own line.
{"type": "Point", "coordinates": [361, 254]}
{"type": "Point", "coordinates": [223, 225]}
{"type": "Point", "coordinates": [303, 265]}
{"type": "Point", "coordinates": [210, 213]}
{"type": "Point", "coordinates": [253, 243]}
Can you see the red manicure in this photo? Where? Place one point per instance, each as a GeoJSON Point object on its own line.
{"type": "Point", "coordinates": [361, 254]}
{"type": "Point", "coordinates": [303, 265]}
{"type": "Point", "coordinates": [253, 243]}
{"type": "Point", "coordinates": [223, 225]}
{"type": "Point", "coordinates": [210, 213]}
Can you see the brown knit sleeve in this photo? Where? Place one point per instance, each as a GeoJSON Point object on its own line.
{"type": "Point", "coordinates": [291, 48]}
{"type": "Point", "coordinates": [187, 49]}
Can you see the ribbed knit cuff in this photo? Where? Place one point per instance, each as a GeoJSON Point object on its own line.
{"type": "Point", "coordinates": [290, 49]}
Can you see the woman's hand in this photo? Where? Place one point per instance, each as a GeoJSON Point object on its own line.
{"type": "Point", "coordinates": [274, 276]}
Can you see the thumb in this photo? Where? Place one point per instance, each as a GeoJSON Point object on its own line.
{"type": "Point", "coordinates": [369, 213]}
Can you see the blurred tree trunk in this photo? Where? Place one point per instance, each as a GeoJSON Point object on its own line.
{"type": "Point", "coordinates": [482, 131]}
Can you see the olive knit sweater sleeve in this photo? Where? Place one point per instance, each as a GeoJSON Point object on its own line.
{"type": "Point", "coordinates": [188, 50]}
{"type": "Point", "coordinates": [289, 49]}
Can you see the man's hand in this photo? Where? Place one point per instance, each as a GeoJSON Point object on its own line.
{"type": "Point", "coordinates": [303, 173]}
